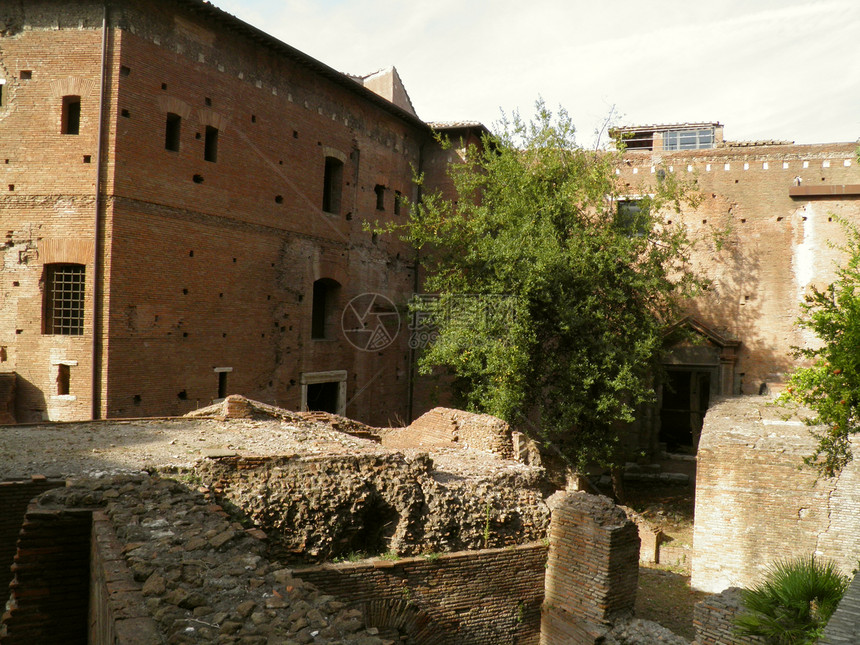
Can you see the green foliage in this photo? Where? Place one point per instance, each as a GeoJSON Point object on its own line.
{"type": "Point", "coordinates": [830, 387]}
{"type": "Point", "coordinates": [569, 352]}
{"type": "Point", "coordinates": [793, 603]}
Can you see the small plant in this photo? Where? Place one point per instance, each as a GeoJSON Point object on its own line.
{"type": "Point", "coordinates": [487, 527]}
{"type": "Point", "coordinates": [432, 556]}
{"type": "Point", "coordinates": [352, 556]}
{"type": "Point", "coordinates": [793, 603]}
{"type": "Point", "coordinates": [390, 555]}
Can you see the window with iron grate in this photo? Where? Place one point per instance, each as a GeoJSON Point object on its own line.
{"type": "Point", "coordinates": [63, 311]}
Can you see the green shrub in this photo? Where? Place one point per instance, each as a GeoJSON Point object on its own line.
{"type": "Point", "coordinates": [793, 603]}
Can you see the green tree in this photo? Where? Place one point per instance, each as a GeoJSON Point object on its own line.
{"type": "Point", "coordinates": [553, 298]}
{"type": "Point", "coordinates": [830, 386]}
{"type": "Point", "coordinates": [793, 603]}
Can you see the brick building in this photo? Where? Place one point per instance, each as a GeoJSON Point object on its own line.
{"type": "Point", "coordinates": [767, 216]}
{"type": "Point", "coordinates": [182, 217]}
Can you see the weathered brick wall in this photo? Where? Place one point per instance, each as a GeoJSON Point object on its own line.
{"type": "Point", "coordinates": [50, 589]}
{"type": "Point", "coordinates": [447, 426]}
{"type": "Point", "coordinates": [492, 596]}
{"type": "Point", "coordinates": [714, 618]}
{"type": "Point", "coordinates": [754, 502]}
{"type": "Point", "coordinates": [592, 569]}
{"type": "Point", "coordinates": [761, 248]}
{"type": "Point", "coordinates": [15, 496]}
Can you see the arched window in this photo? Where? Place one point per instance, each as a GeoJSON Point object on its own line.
{"type": "Point", "coordinates": [326, 292]}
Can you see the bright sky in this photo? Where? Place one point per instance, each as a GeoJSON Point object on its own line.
{"type": "Point", "coordinates": [766, 69]}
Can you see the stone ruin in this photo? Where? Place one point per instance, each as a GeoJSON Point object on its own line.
{"type": "Point", "coordinates": [463, 544]}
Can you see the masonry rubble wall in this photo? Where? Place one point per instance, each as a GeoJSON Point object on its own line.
{"type": "Point", "coordinates": [323, 506]}
{"type": "Point", "coordinates": [755, 503]}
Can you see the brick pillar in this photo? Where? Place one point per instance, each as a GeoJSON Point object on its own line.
{"type": "Point", "coordinates": [592, 569]}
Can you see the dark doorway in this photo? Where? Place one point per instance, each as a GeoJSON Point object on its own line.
{"type": "Point", "coordinates": [686, 396]}
{"type": "Point", "coordinates": [322, 397]}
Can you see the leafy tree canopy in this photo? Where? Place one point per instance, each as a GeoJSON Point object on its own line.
{"type": "Point", "coordinates": [830, 386]}
{"type": "Point", "coordinates": [553, 298]}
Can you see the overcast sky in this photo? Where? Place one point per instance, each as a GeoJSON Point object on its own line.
{"type": "Point", "coordinates": [766, 69]}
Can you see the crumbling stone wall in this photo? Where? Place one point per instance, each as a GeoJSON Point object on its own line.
{"type": "Point", "coordinates": [756, 504]}
{"type": "Point", "coordinates": [323, 506]}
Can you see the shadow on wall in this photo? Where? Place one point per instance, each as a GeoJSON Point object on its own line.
{"type": "Point", "coordinates": [30, 404]}
{"type": "Point", "coordinates": [736, 303]}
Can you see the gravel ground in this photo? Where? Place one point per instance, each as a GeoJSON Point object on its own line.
{"type": "Point", "coordinates": [111, 446]}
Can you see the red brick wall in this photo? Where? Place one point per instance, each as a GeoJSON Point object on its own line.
{"type": "Point", "coordinates": [50, 589]}
{"type": "Point", "coordinates": [197, 275]}
{"type": "Point", "coordinates": [47, 195]}
{"type": "Point", "coordinates": [15, 496]}
{"type": "Point", "coordinates": [492, 596]}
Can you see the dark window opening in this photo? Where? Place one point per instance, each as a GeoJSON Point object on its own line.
{"type": "Point", "coordinates": [686, 397]}
{"type": "Point", "coordinates": [322, 397]}
{"type": "Point", "coordinates": [124, 70]}
{"type": "Point", "coordinates": [631, 217]}
{"type": "Point", "coordinates": [222, 385]}
{"type": "Point", "coordinates": [26, 74]}
{"type": "Point", "coordinates": [63, 310]}
{"type": "Point", "coordinates": [210, 147]}
{"type": "Point", "coordinates": [379, 189]}
{"type": "Point", "coordinates": [332, 184]}
{"type": "Point", "coordinates": [63, 377]}
{"type": "Point", "coordinates": [71, 115]}
{"type": "Point", "coordinates": [324, 303]}
{"type": "Point", "coordinates": [398, 199]}
{"type": "Point", "coordinates": [2, 92]}
{"type": "Point", "coordinates": [171, 132]}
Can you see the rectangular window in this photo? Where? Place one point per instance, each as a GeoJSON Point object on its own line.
{"type": "Point", "coordinates": [71, 115]}
{"type": "Point", "coordinates": [222, 385]}
{"type": "Point", "coordinates": [398, 198]}
{"type": "Point", "coordinates": [379, 189]}
{"type": "Point", "coordinates": [210, 150]}
{"type": "Point", "coordinates": [332, 183]}
{"type": "Point", "coordinates": [688, 139]}
{"type": "Point", "coordinates": [171, 132]}
{"type": "Point", "coordinates": [631, 217]}
{"type": "Point", "coordinates": [63, 379]}
{"type": "Point", "coordinates": [63, 311]}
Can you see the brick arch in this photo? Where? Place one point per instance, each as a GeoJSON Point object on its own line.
{"type": "Point", "coordinates": [404, 618]}
{"type": "Point", "coordinates": [210, 117]}
{"type": "Point", "coordinates": [174, 105]}
{"type": "Point", "coordinates": [72, 86]}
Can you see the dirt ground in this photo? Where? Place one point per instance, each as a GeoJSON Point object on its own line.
{"type": "Point", "coordinates": [664, 594]}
